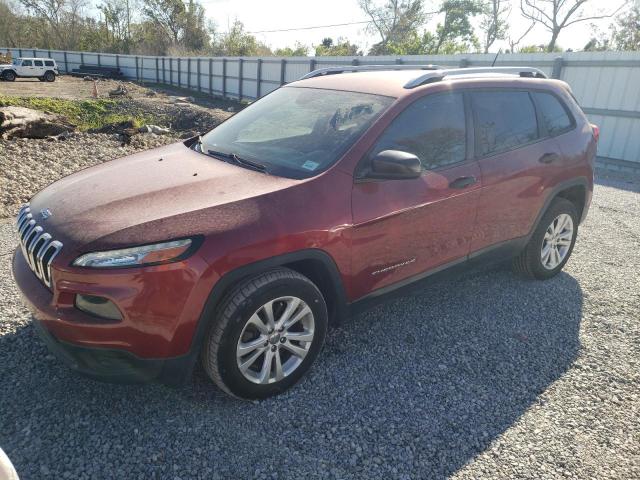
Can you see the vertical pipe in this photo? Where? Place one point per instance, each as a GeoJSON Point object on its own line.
{"type": "Point", "coordinates": [240, 64]}
{"type": "Point", "coordinates": [224, 78]}
{"type": "Point", "coordinates": [211, 76]}
{"type": "Point", "coordinates": [259, 78]}
{"type": "Point", "coordinates": [283, 71]}
{"type": "Point", "coordinates": [198, 71]}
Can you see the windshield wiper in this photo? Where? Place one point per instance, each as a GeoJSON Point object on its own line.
{"type": "Point", "coordinates": [243, 162]}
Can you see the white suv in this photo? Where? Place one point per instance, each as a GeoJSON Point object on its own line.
{"type": "Point", "coordinates": [44, 69]}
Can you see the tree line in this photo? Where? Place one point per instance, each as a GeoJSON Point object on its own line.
{"type": "Point", "coordinates": [177, 27]}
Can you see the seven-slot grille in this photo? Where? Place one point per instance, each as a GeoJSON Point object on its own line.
{"type": "Point", "coordinates": [38, 248]}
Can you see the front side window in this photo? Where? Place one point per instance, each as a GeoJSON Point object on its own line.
{"type": "Point", "coordinates": [296, 132]}
{"type": "Point", "coordinates": [432, 128]}
{"type": "Point", "coordinates": [27, 63]}
{"type": "Point", "coordinates": [503, 121]}
{"type": "Point", "coordinates": [554, 115]}
{"type": "Point", "coordinates": [37, 63]}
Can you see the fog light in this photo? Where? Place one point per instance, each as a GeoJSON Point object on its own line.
{"type": "Point", "coordinates": [98, 306]}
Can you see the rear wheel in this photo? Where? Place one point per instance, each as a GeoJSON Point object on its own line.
{"type": "Point", "coordinates": [552, 242]}
{"type": "Point", "coordinates": [267, 334]}
{"type": "Point", "coordinates": [9, 76]}
{"type": "Point", "coordinates": [50, 77]}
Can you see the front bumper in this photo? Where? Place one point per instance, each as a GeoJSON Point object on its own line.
{"type": "Point", "coordinates": [101, 349]}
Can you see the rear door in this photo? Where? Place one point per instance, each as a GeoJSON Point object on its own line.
{"type": "Point", "coordinates": [516, 162]}
{"type": "Point", "coordinates": [404, 228]}
{"type": "Point", "coordinates": [38, 68]}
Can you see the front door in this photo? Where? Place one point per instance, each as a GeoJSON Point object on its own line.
{"type": "Point", "coordinates": [404, 228]}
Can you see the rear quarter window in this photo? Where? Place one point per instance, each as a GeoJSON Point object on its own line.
{"type": "Point", "coordinates": [554, 114]}
{"type": "Point", "coordinates": [504, 120]}
{"type": "Point", "coordinates": [37, 63]}
{"type": "Point", "coordinates": [48, 63]}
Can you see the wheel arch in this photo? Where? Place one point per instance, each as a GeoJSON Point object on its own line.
{"type": "Point", "coordinates": [569, 190]}
{"type": "Point", "coordinates": [315, 264]}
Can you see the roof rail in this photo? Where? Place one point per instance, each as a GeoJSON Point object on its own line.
{"type": "Point", "coordinates": [437, 75]}
{"type": "Point", "coordinates": [367, 68]}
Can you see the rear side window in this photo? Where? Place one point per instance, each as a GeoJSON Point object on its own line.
{"type": "Point", "coordinates": [503, 121]}
{"type": "Point", "coordinates": [554, 115]}
{"type": "Point", "coordinates": [27, 63]}
{"type": "Point", "coordinates": [432, 128]}
{"type": "Point", "coordinates": [48, 63]}
{"type": "Point", "coordinates": [37, 63]}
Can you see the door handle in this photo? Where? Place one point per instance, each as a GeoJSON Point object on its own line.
{"type": "Point", "coordinates": [548, 158]}
{"type": "Point", "coordinates": [463, 182]}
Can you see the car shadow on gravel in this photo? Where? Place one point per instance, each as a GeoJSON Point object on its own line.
{"type": "Point", "coordinates": [413, 388]}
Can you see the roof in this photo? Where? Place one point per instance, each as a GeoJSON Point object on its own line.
{"type": "Point", "coordinates": [398, 83]}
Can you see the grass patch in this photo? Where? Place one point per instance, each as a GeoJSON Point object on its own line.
{"type": "Point", "coordinates": [86, 114]}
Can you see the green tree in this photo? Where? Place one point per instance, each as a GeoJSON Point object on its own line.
{"type": "Point", "coordinates": [298, 50]}
{"type": "Point", "coordinates": [395, 21]}
{"type": "Point", "coordinates": [626, 32]}
{"type": "Point", "coordinates": [456, 32]}
{"type": "Point", "coordinates": [556, 15]}
{"type": "Point", "coordinates": [238, 43]}
{"type": "Point", "coordinates": [494, 22]}
{"type": "Point", "coordinates": [342, 48]}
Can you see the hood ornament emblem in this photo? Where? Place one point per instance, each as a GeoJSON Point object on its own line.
{"type": "Point", "coordinates": [45, 213]}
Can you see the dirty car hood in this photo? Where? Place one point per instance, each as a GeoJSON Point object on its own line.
{"type": "Point", "coordinates": [165, 183]}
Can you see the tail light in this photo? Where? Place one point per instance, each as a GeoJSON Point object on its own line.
{"type": "Point", "coordinates": [596, 132]}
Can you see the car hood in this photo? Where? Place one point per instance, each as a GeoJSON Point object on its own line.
{"type": "Point", "coordinates": [154, 195]}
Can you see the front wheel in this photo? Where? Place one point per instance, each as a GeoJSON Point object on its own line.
{"type": "Point", "coordinates": [49, 77]}
{"type": "Point", "coordinates": [267, 333]}
{"type": "Point", "coordinates": [9, 76]}
{"type": "Point", "coordinates": [552, 242]}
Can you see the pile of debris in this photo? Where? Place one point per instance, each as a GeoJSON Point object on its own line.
{"type": "Point", "coordinates": [21, 122]}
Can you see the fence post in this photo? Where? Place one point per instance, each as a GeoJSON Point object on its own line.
{"type": "Point", "coordinates": [211, 76]}
{"type": "Point", "coordinates": [558, 63]}
{"type": "Point", "coordinates": [464, 63]}
{"type": "Point", "coordinates": [224, 78]}
{"type": "Point", "coordinates": [81, 58]}
{"type": "Point", "coordinates": [283, 70]}
{"type": "Point", "coordinates": [312, 65]}
{"type": "Point", "coordinates": [398, 61]}
{"type": "Point", "coordinates": [157, 72]}
{"type": "Point", "coordinates": [258, 78]}
{"type": "Point", "coordinates": [240, 64]}
{"type": "Point", "coordinates": [171, 71]}
{"type": "Point", "coordinates": [189, 73]}
{"type": "Point", "coordinates": [66, 65]}
{"type": "Point", "coordinates": [34, 53]}
{"type": "Point", "coordinates": [179, 72]}
{"type": "Point", "coordinates": [117, 60]}
{"type": "Point", "coordinates": [198, 70]}
{"type": "Point", "coordinates": [19, 52]}
{"type": "Point", "coordinates": [99, 62]}
{"type": "Point", "coordinates": [355, 61]}
{"type": "Point", "coordinates": [137, 74]}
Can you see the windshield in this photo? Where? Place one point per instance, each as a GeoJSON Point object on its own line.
{"type": "Point", "coordinates": [296, 132]}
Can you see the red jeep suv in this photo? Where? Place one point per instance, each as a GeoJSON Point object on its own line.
{"type": "Point", "coordinates": [240, 246]}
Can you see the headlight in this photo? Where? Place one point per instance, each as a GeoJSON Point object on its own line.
{"type": "Point", "coordinates": [135, 256]}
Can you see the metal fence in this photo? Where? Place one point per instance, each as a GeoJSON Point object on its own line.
{"type": "Point", "coordinates": [607, 84]}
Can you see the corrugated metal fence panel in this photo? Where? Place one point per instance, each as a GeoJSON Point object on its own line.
{"type": "Point", "coordinates": [607, 84]}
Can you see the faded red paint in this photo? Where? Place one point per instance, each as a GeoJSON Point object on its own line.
{"type": "Point", "coordinates": [247, 216]}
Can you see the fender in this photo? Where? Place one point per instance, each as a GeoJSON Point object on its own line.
{"type": "Point", "coordinates": [230, 278]}
{"type": "Point", "coordinates": [553, 193]}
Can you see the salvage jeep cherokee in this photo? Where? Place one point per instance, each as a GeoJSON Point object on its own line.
{"type": "Point", "coordinates": [239, 247]}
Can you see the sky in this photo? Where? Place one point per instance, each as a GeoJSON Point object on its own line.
{"type": "Point", "coordinates": [261, 15]}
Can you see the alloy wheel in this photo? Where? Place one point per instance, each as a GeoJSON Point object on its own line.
{"type": "Point", "coordinates": [557, 241]}
{"type": "Point", "coordinates": [275, 340]}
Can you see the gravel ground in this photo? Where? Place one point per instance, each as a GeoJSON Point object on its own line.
{"type": "Point", "coordinates": [482, 376]}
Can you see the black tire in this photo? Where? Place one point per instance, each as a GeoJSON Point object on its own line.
{"type": "Point", "coordinates": [529, 262]}
{"type": "Point", "coordinates": [9, 76]}
{"type": "Point", "coordinates": [245, 299]}
{"type": "Point", "coordinates": [50, 77]}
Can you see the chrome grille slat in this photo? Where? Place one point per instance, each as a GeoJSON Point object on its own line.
{"type": "Point", "coordinates": [38, 247]}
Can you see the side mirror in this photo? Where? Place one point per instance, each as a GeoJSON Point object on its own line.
{"type": "Point", "coordinates": [395, 164]}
